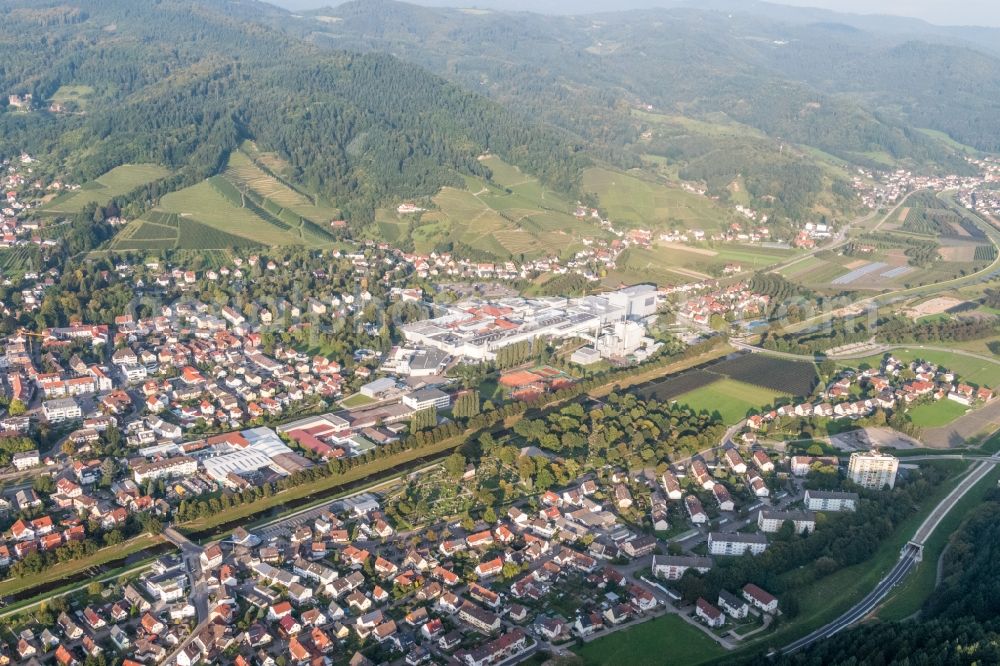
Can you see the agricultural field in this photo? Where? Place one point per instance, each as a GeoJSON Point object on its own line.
{"type": "Point", "coordinates": [18, 259]}
{"type": "Point", "coordinates": [120, 180]}
{"type": "Point", "coordinates": [636, 202]}
{"type": "Point", "coordinates": [671, 387]}
{"type": "Point", "coordinates": [797, 378]}
{"type": "Point", "coordinates": [675, 263]}
{"type": "Point", "coordinates": [72, 96]}
{"type": "Point", "coordinates": [735, 386]}
{"type": "Point", "coordinates": [655, 265]}
{"type": "Point", "coordinates": [891, 260]}
{"type": "Point", "coordinates": [217, 204]}
{"type": "Point", "coordinates": [204, 259]}
{"type": "Point", "coordinates": [752, 257]}
{"type": "Point", "coordinates": [511, 216]}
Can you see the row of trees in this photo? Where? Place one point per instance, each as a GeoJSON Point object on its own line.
{"type": "Point", "coordinates": [891, 329]}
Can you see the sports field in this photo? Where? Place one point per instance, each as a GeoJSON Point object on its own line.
{"type": "Point", "coordinates": [732, 399]}
{"type": "Point", "coordinates": [651, 642]}
{"type": "Point", "coordinates": [120, 180]}
{"type": "Point", "coordinates": [936, 414]}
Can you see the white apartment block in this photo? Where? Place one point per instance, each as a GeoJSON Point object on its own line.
{"type": "Point", "coordinates": [771, 521]}
{"type": "Point", "coordinates": [872, 469]}
{"type": "Point", "coordinates": [823, 500]}
{"type": "Point", "coordinates": [64, 409]}
{"type": "Point", "coordinates": [721, 543]}
{"type": "Point", "coordinates": [169, 467]}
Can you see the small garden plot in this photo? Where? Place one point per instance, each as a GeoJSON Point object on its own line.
{"type": "Point", "coordinates": [569, 596]}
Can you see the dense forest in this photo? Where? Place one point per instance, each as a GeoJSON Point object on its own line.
{"type": "Point", "coordinates": [181, 83]}
{"type": "Point", "coordinates": [958, 623]}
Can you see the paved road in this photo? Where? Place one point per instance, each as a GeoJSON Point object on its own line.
{"type": "Point", "coordinates": [191, 553]}
{"type": "Point", "coordinates": [839, 239]}
{"type": "Point", "coordinates": [870, 351]}
{"type": "Point", "coordinates": [907, 561]}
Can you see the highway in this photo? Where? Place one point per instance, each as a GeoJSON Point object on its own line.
{"type": "Point", "coordinates": [865, 606]}
{"type": "Point", "coordinates": [909, 558]}
{"type": "Point", "coordinates": [978, 471]}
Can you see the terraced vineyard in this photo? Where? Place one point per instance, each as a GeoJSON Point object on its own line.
{"type": "Point", "coordinates": [246, 206]}
{"type": "Point", "coordinates": [18, 259]}
{"type": "Point", "coordinates": [164, 231]}
{"type": "Point", "coordinates": [253, 171]}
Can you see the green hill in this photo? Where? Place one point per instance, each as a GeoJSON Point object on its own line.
{"type": "Point", "coordinates": [510, 215]}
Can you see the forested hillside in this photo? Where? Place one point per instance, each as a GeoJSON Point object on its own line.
{"type": "Point", "coordinates": [767, 95]}
{"type": "Point", "coordinates": [785, 78]}
{"type": "Point", "coordinates": [378, 101]}
{"type": "Point", "coordinates": [181, 83]}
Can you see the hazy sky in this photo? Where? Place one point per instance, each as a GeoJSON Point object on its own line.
{"type": "Point", "coordinates": [941, 12]}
